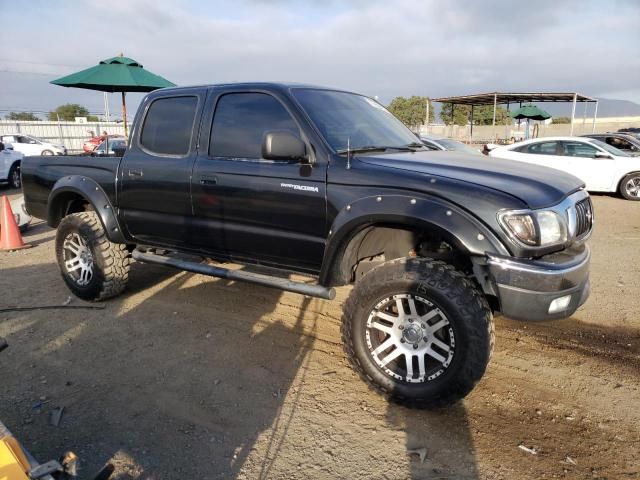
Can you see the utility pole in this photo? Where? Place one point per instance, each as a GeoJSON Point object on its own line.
{"type": "Point", "coordinates": [426, 120]}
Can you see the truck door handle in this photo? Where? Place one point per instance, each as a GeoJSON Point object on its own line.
{"type": "Point", "coordinates": [135, 173]}
{"type": "Point", "coordinates": [208, 180]}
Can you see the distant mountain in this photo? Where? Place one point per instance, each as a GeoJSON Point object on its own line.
{"type": "Point", "coordinates": [607, 107]}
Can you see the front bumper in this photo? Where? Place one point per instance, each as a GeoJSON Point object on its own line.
{"type": "Point", "coordinates": [527, 288]}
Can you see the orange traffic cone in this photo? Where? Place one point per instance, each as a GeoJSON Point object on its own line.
{"type": "Point", "coordinates": [10, 238]}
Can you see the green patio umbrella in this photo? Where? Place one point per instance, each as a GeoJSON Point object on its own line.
{"type": "Point", "coordinates": [117, 74]}
{"type": "Point", "coordinates": [530, 112]}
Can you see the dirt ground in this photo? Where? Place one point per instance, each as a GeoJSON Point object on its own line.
{"type": "Point", "coordinates": [187, 377]}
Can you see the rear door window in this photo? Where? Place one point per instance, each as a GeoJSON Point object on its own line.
{"type": "Point", "coordinates": [541, 148]}
{"type": "Point", "coordinates": [241, 121]}
{"type": "Point", "coordinates": [168, 125]}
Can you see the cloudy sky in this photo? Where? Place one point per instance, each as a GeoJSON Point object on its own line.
{"type": "Point", "coordinates": [384, 48]}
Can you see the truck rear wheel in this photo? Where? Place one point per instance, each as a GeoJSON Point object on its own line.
{"type": "Point", "coordinates": [418, 331]}
{"type": "Point", "coordinates": [92, 267]}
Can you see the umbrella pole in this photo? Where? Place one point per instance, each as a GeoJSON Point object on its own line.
{"type": "Point", "coordinates": [124, 114]}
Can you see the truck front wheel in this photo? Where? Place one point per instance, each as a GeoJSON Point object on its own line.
{"type": "Point", "coordinates": [92, 267]}
{"type": "Point", "coordinates": [418, 331]}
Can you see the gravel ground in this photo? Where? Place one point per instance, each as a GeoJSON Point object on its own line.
{"type": "Point", "coordinates": [186, 377]}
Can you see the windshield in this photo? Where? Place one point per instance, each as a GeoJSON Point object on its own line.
{"type": "Point", "coordinates": [612, 150]}
{"type": "Point", "coordinates": [354, 120]}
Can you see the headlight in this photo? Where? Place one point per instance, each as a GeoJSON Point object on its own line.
{"type": "Point", "coordinates": [537, 228]}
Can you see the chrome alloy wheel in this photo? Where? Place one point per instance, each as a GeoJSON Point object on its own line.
{"type": "Point", "coordinates": [632, 186]}
{"type": "Point", "coordinates": [78, 260]}
{"type": "Point", "coordinates": [410, 338]}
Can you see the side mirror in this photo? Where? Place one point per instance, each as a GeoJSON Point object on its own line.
{"type": "Point", "coordinates": [283, 145]}
{"type": "Point", "coordinates": [602, 155]}
{"type": "Point", "coordinates": [119, 151]}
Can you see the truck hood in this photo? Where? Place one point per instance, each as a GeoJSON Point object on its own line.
{"type": "Point", "coordinates": [535, 185]}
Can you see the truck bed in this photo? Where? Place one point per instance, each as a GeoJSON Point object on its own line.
{"type": "Point", "coordinates": [40, 173]}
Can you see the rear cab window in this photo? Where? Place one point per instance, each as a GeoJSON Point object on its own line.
{"type": "Point", "coordinates": [168, 126]}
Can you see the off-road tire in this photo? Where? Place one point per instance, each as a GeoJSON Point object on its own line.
{"type": "Point", "coordinates": [14, 180]}
{"type": "Point", "coordinates": [454, 294]}
{"type": "Point", "coordinates": [110, 260]}
{"type": "Point", "coordinates": [624, 189]}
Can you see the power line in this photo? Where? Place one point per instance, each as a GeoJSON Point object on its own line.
{"type": "Point", "coordinates": [10, 60]}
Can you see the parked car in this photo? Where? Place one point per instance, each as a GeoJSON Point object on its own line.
{"type": "Point", "coordinates": [91, 144]}
{"type": "Point", "coordinates": [113, 144]}
{"type": "Point", "coordinates": [29, 145]}
{"type": "Point", "coordinates": [635, 132]}
{"type": "Point", "coordinates": [622, 141]}
{"type": "Point", "coordinates": [10, 162]}
{"type": "Point", "coordinates": [330, 184]}
{"type": "Point", "coordinates": [443, 143]}
{"type": "Point", "coordinates": [602, 167]}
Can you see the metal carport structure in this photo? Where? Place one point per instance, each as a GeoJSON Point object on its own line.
{"type": "Point", "coordinates": [502, 98]}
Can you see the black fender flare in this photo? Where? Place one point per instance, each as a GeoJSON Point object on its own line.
{"type": "Point", "coordinates": [95, 195]}
{"type": "Point", "coordinates": [468, 232]}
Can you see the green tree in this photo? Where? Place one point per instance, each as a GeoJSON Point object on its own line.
{"type": "Point", "coordinates": [411, 111]}
{"type": "Point", "coordinates": [70, 111]}
{"type": "Point", "coordinates": [460, 114]}
{"type": "Point", "coordinates": [482, 115]}
{"type": "Point", "coordinates": [25, 116]}
{"type": "Point", "coordinates": [561, 120]}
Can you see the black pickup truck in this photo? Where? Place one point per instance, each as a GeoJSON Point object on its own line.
{"type": "Point", "coordinates": [328, 183]}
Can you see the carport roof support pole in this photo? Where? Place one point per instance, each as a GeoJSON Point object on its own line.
{"type": "Point", "coordinates": [595, 114]}
{"type": "Point", "coordinates": [573, 112]}
{"type": "Point", "coordinates": [495, 106]}
{"type": "Point", "coordinates": [124, 114]}
{"type": "Point", "coordinates": [471, 133]}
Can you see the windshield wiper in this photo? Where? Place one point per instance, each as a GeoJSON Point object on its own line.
{"type": "Point", "coordinates": [372, 148]}
{"type": "Point", "coordinates": [415, 145]}
{"type": "Point", "coordinates": [365, 148]}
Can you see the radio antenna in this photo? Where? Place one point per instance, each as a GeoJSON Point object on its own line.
{"type": "Point", "coordinates": [348, 153]}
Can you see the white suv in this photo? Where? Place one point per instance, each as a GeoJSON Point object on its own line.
{"type": "Point", "coordinates": [10, 166]}
{"type": "Point", "coordinates": [29, 145]}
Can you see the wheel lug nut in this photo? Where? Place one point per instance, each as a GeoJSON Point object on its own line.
{"type": "Point", "coordinates": [425, 339]}
{"type": "Point", "coordinates": [423, 325]}
{"type": "Point", "coordinates": [401, 327]}
{"type": "Point", "coordinates": [402, 340]}
{"type": "Point", "coordinates": [411, 320]}
{"type": "Point", "coordinates": [415, 346]}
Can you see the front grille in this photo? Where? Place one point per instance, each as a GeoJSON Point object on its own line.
{"type": "Point", "coordinates": [584, 217]}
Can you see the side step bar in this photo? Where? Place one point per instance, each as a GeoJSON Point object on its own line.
{"type": "Point", "coordinates": [238, 275]}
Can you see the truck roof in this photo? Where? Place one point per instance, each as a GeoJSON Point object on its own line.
{"type": "Point", "coordinates": [272, 85]}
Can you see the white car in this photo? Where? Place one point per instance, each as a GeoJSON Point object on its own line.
{"type": "Point", "coordinates": [442, 143]}
{"type": "Point", "coordinates": [603, 168]}
{"type": "Point", "coordinates": [30, 145]}
{"type": "Point", "coordinates": [10, 166]}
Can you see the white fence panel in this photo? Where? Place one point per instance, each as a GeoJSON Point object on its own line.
{"type": "Point", "coordinates": [70, 134]}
